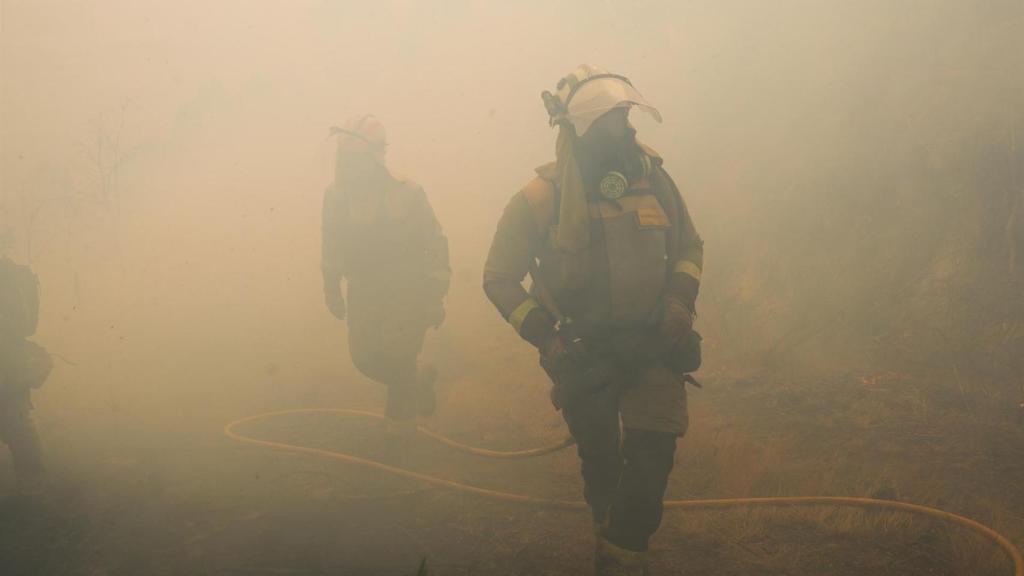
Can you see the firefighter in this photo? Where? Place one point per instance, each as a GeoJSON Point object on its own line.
{"type": "Point", "coordinates": [616, 265]}
{"type": "Point", "coordinates": [381, 237]}
{"type": "Point", "coordinates": [24, 366]}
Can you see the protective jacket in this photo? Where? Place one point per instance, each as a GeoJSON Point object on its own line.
{"type": "Point", "coordinates": [644, 248]}
{"type": "Point", "coordinates": [387, 243]}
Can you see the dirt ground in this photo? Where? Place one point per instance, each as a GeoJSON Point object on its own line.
{"type": "Point", "coordinates": [149, 495]}
{"type": "Point", "coordinates": [145, 482]}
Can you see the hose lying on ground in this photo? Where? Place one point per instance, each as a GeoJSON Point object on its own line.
{"type": "Point", "coordinates": [229, 431]}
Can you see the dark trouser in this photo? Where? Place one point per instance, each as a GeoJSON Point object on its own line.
{"type": "Point", "coordinates": [18, 431]}
{"type": "Point", "coordinates": [624, 474]}
{"type": "Point", "coordinates": [636, 510]}
{"type": "Point", "coordinates": [384, 342]}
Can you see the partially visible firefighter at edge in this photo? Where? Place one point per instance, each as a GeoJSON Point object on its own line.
{"type": "Point", "coordinates": [24, 366]}
{"type": "Point", "coordinates": [615, 263]}
{"type": "Point", "coordinates": [381, 237]}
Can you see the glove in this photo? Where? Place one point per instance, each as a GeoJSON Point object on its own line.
{"type": "Point", "coordinates": [553, 351]}
{"type": "Point", "coordinates": [575, 372]}
{"type": "Point", "coordinates": [676, 321]}
{"type": "Point", "coordinates": [685, 354]}
{"type": "Point", "coordinates": [335, 302]}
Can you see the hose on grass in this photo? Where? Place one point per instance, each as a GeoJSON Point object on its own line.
{"type": "Point", "coordinates": [783, 501]}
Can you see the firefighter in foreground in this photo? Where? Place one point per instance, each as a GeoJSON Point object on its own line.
{"type": "Point", "coordinates": [380, 235]}
{"type": "Point", "coordinates": [615, 263]}
{"type": "Point", "coordinates": [24, 366]}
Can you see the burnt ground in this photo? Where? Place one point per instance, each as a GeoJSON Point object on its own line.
{"type": "Point", "coordinates": [169, 494]}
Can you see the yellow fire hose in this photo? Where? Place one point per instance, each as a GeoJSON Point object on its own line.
{"type": "Point", "coordinates": [229, 431]}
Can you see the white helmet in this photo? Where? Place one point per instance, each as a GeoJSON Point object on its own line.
{"type": "Point", "coordinates": [588, 93]}
{"type": "Point", "coordinates": [362, 133]}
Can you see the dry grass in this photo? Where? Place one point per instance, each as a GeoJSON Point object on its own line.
{"type": "Point", "coordinates": [879, 437]}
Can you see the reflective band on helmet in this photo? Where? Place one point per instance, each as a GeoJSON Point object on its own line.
{"type": "Point", "coordinates": [518, 315]}
{"type": "Point", "coordinates": [688, 268]}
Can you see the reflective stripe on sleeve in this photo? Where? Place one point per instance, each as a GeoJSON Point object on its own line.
{"type": "Point", "coordinates": [518, 315]}
{"type": "Point", "coordinates": [688, 268]}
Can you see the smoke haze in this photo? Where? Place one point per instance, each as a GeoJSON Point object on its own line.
{"type": "Point", "coordinates": [856, 170]}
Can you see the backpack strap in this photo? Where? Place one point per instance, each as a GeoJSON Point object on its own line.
{"type": "Point", "coordinates": [542, 196]}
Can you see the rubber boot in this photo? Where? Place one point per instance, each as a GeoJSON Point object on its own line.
{"type": "Point", "coordinates": [426, 399]}
{"type": "Point", "coordinates": [600, 518]}
{"type": "Point", "coordinates": [612, 560]}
